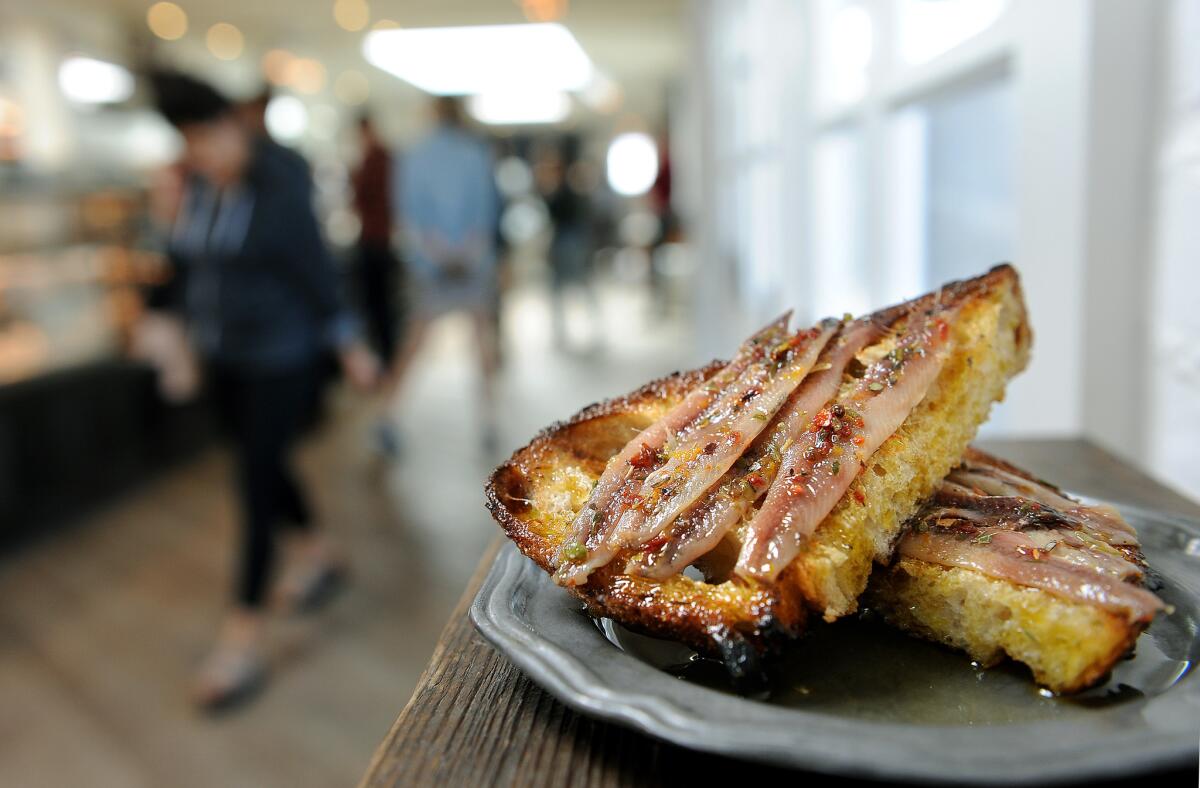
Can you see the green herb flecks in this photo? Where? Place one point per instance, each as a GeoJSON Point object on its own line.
{"type": "Point", "coordinates": [574, 552]}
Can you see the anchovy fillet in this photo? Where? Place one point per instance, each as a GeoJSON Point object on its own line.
{"type": "Point", "coordinates": [595, 521]}
{"type": "Point", "coordinates": [824, 460]}
{"type": "Point", "coordinates": [704, 524]}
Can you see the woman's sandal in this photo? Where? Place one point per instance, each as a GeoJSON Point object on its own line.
{"type": "Point", "coordinates": [306, 589]}
{"type": "Point", "coordinates": [230, 676]}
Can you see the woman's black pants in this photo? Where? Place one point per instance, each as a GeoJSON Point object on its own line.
{"type": "Point", "coordinates": [378, 280]}
{"type": "Point", "coordinates": [264, 411]}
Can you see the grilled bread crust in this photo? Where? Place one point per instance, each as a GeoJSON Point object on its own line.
{"type": "Point", "coordinates": [1068, 645]}
{"type": "Point", "coordinates": [535, 494]}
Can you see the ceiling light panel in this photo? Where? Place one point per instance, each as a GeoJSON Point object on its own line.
{"type": "Point", "coordinates": [453, 61]}
{"type": "Point", "coordinates": [520, 107]}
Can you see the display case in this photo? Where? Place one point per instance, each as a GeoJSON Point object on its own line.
{"type": "Point", "coordinates": [79, 421]}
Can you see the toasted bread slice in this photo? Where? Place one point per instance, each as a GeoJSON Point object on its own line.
{"type": "Point", "coordinates": [1069, 642]}
{"type": "Point", "coordinates": [536, 494]}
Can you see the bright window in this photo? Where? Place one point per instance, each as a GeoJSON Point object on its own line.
{"type": "Point", "coordinates": [972, 201]}
{"type": "Point", "coordinates": [839, 280]}
{"type": "Point", "coordinates": [845, 44]}
{"type": "Point", "coordinates": [927, 28]}
{"type": "Point", "coordinates": [952, 210]}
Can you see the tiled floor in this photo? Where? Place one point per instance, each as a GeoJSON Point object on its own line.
{"type": "Point", "coordinates": [100, 625]}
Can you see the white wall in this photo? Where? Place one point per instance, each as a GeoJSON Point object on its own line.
{"type": "Point", "coordinates": [1141, 384]}
{"type": "Point", "coordinates": [1171, 414]}
{"type": "Point", "coordinates": [1122, 119]}
{"type": "Point", "coordinates": [1049, 63]}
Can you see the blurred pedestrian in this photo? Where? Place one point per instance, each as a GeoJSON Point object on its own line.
{"type": "Point", "coordinates": [260, 294]}
{"type": "Point", "coordinates": [448, 207]}
{"type": "Point", "coordinates": [376, 265]}
{"type": "Point", "coordinates": [566, 189]}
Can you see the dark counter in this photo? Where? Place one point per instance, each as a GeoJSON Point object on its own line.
{"type": "Point", "coordinates": [72, 438]}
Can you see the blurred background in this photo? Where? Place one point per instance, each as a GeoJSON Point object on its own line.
{"type": "Point", "coordinates": [665, 176]}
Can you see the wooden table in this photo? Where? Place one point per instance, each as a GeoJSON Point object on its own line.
{"type": "Point", "coordinates": [475, 719]}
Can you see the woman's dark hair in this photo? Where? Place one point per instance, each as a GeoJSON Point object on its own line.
{"type": "Point", "coordinates": [185, 100]}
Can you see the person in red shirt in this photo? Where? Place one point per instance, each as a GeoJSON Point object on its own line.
{"type": "Point", "coordinates": [377, 267]}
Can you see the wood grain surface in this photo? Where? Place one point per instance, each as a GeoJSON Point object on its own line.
{"type": "Point", "coordinates": [475, 719]}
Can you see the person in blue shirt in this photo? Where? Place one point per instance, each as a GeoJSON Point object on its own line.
{"type": "Point", "coordinates": [448, 208]}
{"type": "Point", "coordinates": [260, 295]}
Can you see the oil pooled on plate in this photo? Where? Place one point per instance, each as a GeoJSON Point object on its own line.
{"type": "Point", "coordinates": [862, 669]}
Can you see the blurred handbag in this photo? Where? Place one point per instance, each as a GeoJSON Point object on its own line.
{"type": "Point", "coordinates": [161, 340]}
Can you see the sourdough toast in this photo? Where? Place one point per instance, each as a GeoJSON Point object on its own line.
{"type": "Point", "coordinates": [1068, 627]}
{"type": "Point", "coordinates": [537, 494]}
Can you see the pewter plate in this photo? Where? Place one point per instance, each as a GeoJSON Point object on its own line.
{"type": "Point", "coordinates": [856, 698]}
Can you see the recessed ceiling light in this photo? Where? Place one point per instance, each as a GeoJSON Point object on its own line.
{"type": "Point", "coordinates": [86, 80]}
{"type": "Point", "coordinates": [351, 15]}
{"type": "Point", "coordinates": [225, 41]}
{"type": "Point", "coordinates": [275, 65]}
{"type": "Point", "coordinates": [287, 118]}
{"type": "Point", "coordinates": [632, 163]}
{"type": "Point", "coordinates": [167, 21]}
{"type": "Point", "coordinates": [451, 61]}
{"type": "Point", "coordinates": [305, 75]}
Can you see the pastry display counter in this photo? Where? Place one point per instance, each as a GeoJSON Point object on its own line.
{"type": "Point", "coordinates": [79, 421]}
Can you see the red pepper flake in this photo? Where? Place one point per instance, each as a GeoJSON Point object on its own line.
{"type": "Point", "coordinates": [755, 480]}
{"type": "Point", "coordinates": [750, 394]}
{"type": "Point", "coordinates": [656, 543]}
{"type": "Point", "coordinates": [858, 496]}
{"type": "Point", "coordinates": [859, 440]}
{"type": "Point", "coordinates": [823, 418]}
{"type": "Point", "coordinates": [943, 330]}
{"type": "Point", "coordinates": [645, 458]}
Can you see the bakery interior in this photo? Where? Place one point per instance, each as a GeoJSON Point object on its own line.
{"type": "Point", "coordinates": [667, 175]}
